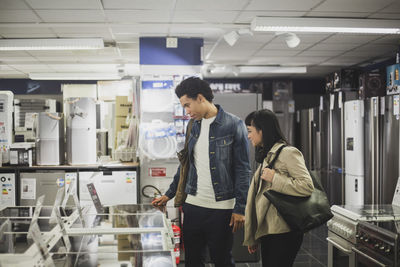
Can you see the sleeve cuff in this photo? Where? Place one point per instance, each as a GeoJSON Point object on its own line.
{"type": "Point", "coordinates": [169, 194]}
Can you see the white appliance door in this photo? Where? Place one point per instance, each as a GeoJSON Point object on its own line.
{"type": "Point", "coordinates": [354, 190]}
{"type": "Point", "coordinates": [48, 152]}
{"type": "Point", "coordinates": [117, 183]}
{"type": "Point", "coordinates": [354, 137]}
{"type": "Point", "coordinates": [84, 179]}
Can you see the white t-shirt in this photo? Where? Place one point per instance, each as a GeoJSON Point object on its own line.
{"type": "Point", "coordinates": [205, 196]}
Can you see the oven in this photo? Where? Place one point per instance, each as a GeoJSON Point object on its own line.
{"type": "Point", "coordinates": [367, 258]}
{"type": "Point", "coordinates": [340, 251]}
{"type": "Point", "coordinates": [343, 237]}
{"type": "Point", "coordinates": [377, 244]}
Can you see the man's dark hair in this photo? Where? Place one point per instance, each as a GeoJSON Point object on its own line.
{"type": "Point", "coordinates": [193, 86]}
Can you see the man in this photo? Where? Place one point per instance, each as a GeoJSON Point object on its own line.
{"type": "Point", "coordinates": [218, 176]}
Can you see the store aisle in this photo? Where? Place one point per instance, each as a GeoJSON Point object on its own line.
{"type": "Point", "coordinates": [313, 252]}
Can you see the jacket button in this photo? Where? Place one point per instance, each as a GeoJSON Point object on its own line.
{"type": "Point", "coordinates": [213, 168]}
{"type": "Point", "coordinates": [212, 137]}
{"type": "Point", "coordinates": [212, 152]}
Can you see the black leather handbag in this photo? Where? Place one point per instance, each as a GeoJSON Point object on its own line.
{"type": "Point", "coordinates": [301, 213]}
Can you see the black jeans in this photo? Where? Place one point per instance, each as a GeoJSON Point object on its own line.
{"type": "Point", "coordinates": [204, 227]}
{"type": "Point", "coordinates": [280, 250]}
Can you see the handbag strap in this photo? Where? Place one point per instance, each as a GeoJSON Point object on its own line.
{"type": "Point", "coordinates": [270, 166]}
{"type": "Point", "coordinates": [272, 163]}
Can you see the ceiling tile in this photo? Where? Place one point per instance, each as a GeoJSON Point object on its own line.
{"type": "Point", "coordinates": [138, 4]}
{"type": "Point", "coordinates": [336, 47]}
{"type": "Point", "coordinates": [139, 29]}
{"type": "Point", "coordinates": [10, 16]}
{"type": "Point", "coordinates": [71, 15]}
{"type": "Point", "coordinates": [206, 4]}
{"type": "Point", "coordinates": [338, 14]}
{"type": "Point", "coordinates": [385, 16]}
{"type": "Point", "coordinates": [28, 35]}
{"type": "Point", "coordinates": [247, 16]}
{"type": "Point", "coordinates": [25, 30]}
{"type": "Point", "coordinates": [351, 39]}
{"type": "Point", "coordinates": [28, 68]}
{"type": "Point", "coordinates": [343, 61]}
{"type": "Point", "coordinates": [212, 16]}
{"type": "Point", "coordinates": [317, 53]}
{"type": "Point", "coordinates": [70, 4]}
{"type": "Point", "coordinates": [282, 5]}
{"type": "Point", "coordinates": [271, 52]}
{"type": "Point", "coordinates": [13, 4]}
{"type": "Point", "coordinates": [353, 5]}
{"type": "Point", "coordinates": [388, 39]}
{"type": "Point", "coordinates": [138, 16]}
{"type": "Point", "coordinates": [392, 8]}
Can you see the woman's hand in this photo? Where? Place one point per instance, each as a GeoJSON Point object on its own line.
{"type": "Point", "coordinates": [268, 174]}
{"type": "Point", "coordinates": [252, 248]}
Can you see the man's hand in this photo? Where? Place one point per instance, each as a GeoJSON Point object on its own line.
{"type": "Point", "coordinates": [237, 222]}
{"type": "Point", "coordinates": [252, 248]}
{"type": "Point", "coordinates": [160, 202]}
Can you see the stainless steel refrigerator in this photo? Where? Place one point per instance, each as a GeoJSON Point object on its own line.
{"type": "Point", "coordinates": [373, 133]}
{"type": "Point", "coordinates": [390, 155]}
{"type": "Point", "coordinates": [333, 144]}
{"type": "Point", "coordinates": [241, 105]}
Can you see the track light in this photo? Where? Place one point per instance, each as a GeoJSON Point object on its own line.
{"type": "Point", "coordinates": [291, 39]}
{"type": "Point", "coordinates": [231, 37]}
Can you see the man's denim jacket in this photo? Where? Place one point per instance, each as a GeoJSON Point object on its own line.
{"type": "Point", "coordinates": [229, 160]}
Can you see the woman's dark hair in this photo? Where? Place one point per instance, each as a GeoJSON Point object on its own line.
{"type": "Point", "coordinates": [193, 86]}
{"type": "Point", "coordinates": [266, 121]}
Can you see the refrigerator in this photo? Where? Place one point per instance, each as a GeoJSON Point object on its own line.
{"type": "Point", "coordinates": [390, 154]}
{"type": "Point", "coordinates": [373, 133]}
{"type": "Point", "coordinates": [354, 152]}
{"type": "Point", "coordinates": [310, 136]}
{"type": "Point", "coordinates": [241, 105]}
{"type": "Point", "coordinates": [50, 139]}
{"type": "Point", "coordinates": [81, 131]}
{"type": "Point", "coordinates": [332, 155]}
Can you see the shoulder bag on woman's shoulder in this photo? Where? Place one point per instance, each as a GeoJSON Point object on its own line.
{"type": "Point", "coordinates": [301, 213]}
{"type": "Point", "coordinates": [183, 157]}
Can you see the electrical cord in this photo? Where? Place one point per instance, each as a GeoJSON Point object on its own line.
{"type": "Point", "coordinates": [146, 194]}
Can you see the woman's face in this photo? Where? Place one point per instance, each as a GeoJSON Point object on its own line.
{"type": "Point", "coordinates": [254, 135]}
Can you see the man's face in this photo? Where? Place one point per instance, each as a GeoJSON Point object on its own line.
{"type": "Point", "coordinates": [194, 107]}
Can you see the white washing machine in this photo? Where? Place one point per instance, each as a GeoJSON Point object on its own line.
{"type": "Point", "coordinates": [113, 187]}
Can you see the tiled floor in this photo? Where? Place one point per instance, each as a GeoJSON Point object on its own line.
{"type": "Point", "coordinates": [313, 252]}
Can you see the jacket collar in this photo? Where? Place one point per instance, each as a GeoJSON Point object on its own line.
{"type": "Point", "coordinates": [272, 152]}
{"type": "Point", "coordinates": [219, 117]}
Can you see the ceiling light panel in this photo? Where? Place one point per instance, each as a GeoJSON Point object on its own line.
{"type": "Point", "coordinates": [325, 25]}
{"type": "Point", "coordinates": [50, 44]}
{"type": "Point", "coordinates": [74, 76]}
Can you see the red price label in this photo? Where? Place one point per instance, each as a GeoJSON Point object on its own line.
{"type": "Point", "coordinates": [158, 172]}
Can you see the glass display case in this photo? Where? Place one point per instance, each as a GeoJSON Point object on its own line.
{"type": "Point", "coordinates": [126, 235]}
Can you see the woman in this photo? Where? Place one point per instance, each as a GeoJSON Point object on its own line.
{"type": "Point", "coordinates": [263, 224]}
